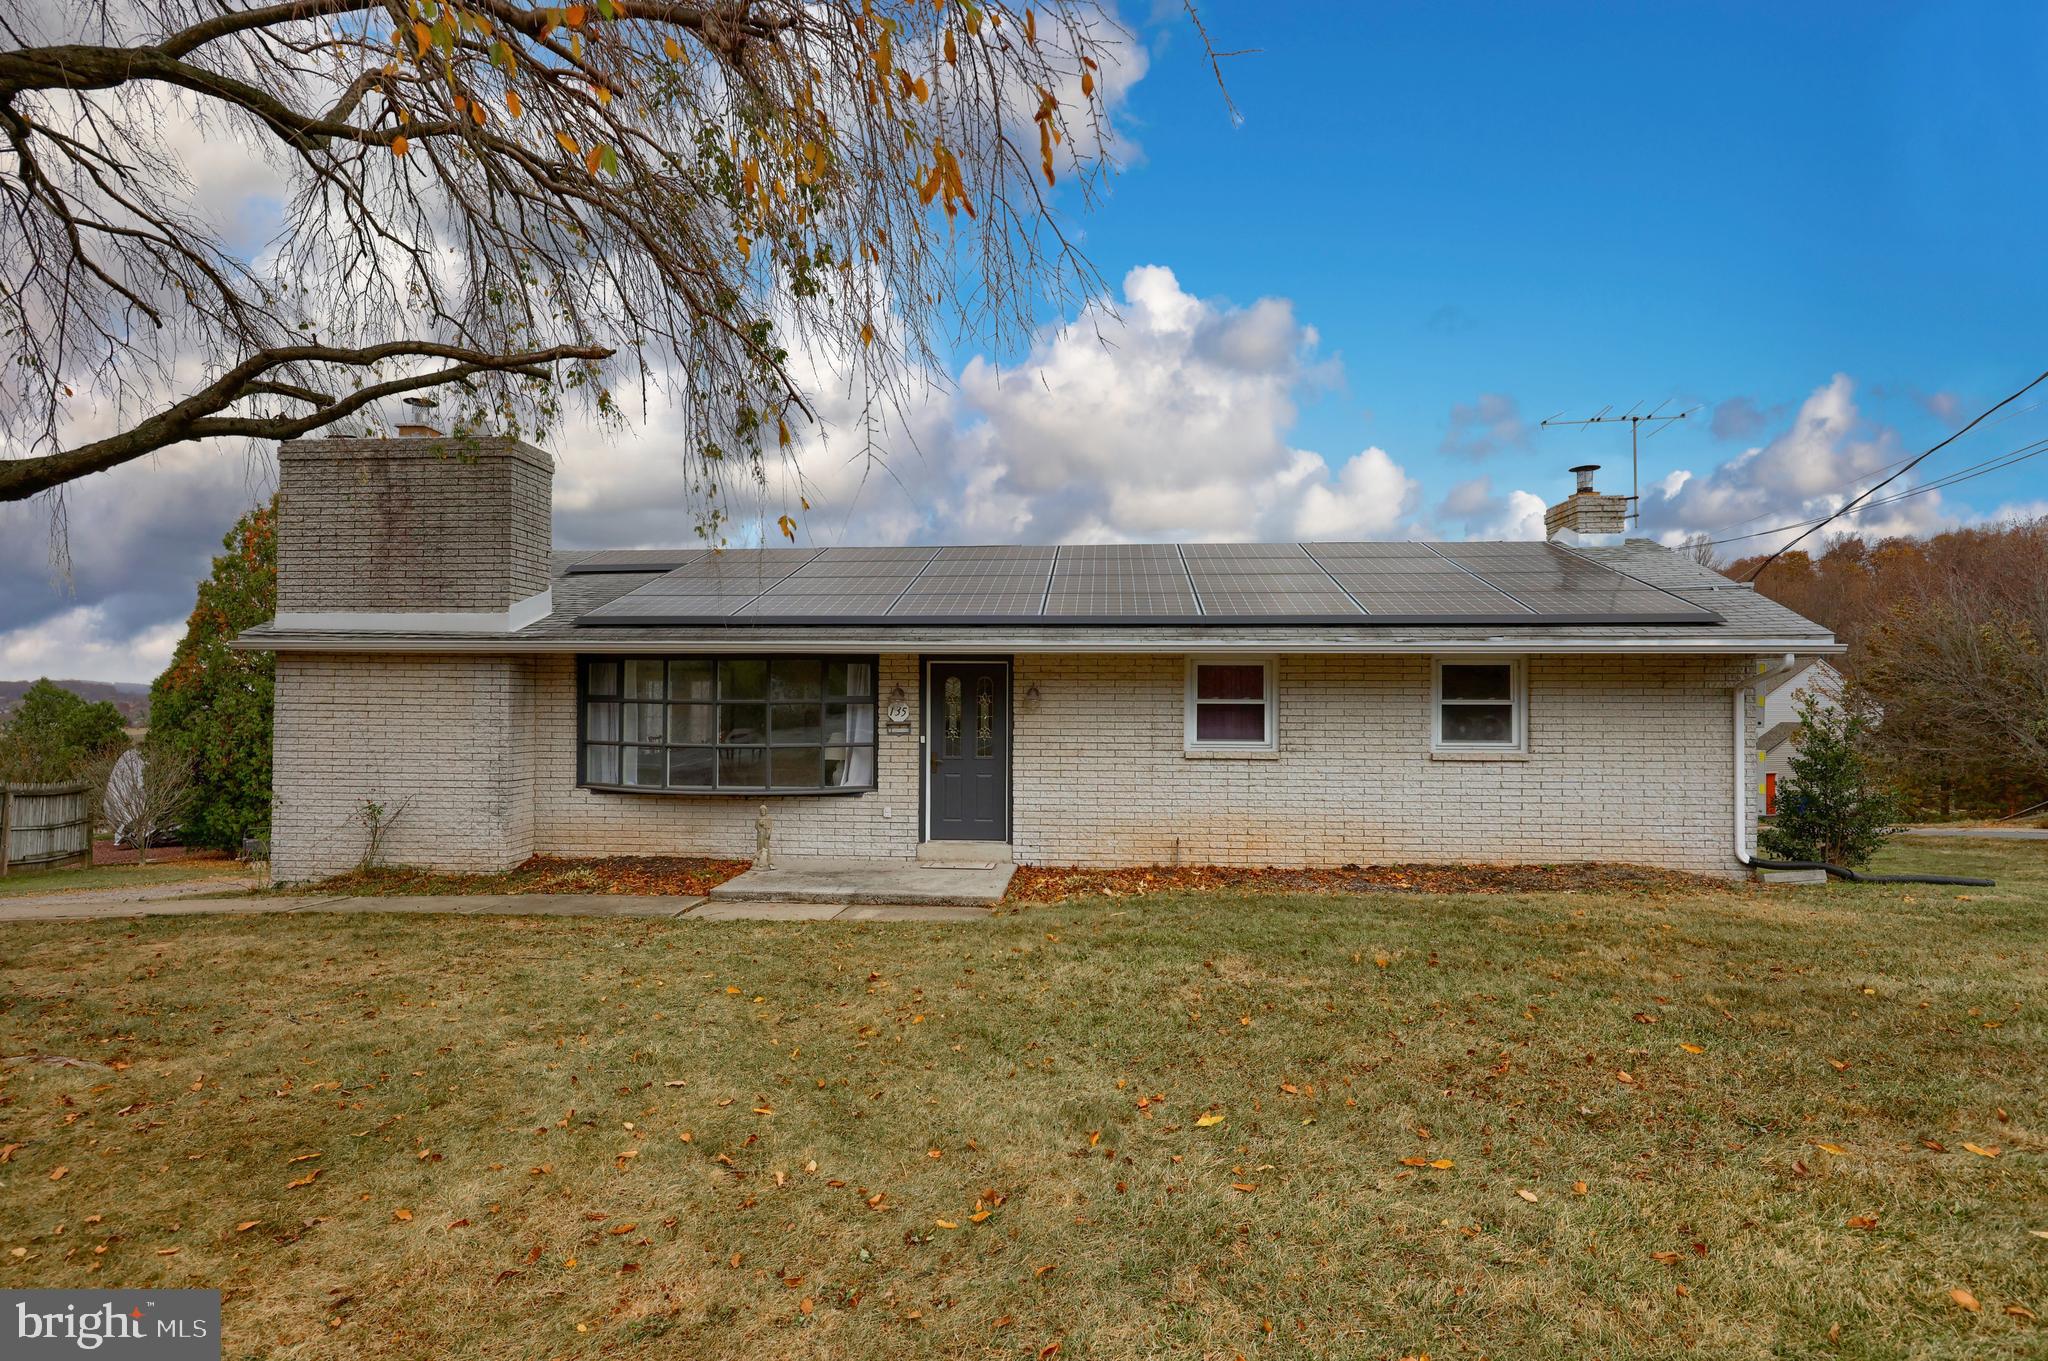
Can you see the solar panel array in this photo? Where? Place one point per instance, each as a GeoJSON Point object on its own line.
{"type": "Point", "coordinates": [1287, 583]}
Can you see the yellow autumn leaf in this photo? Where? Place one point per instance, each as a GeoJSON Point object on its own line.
{"type": "Point", "coordinates": [1693, 1048]}
{"type": "Point", "coordinates": [1205, 1121]}
{"type": "Point", "coordinates": [945, 1223]}
{"type": "Point", "coordinates": [247, 1225]}
{"type": "Point", "coordinates": [1579, 1188]}
{"type": "Point", "coordinates": [1835, 1149]}
{"type": "Point", "coordinates": [788, 527]}
{"type": "Point", "coordinates": [400, 145]}
{"type": "Point", "coordinates": [512, 104]}
{"type": "Point", "coordinates": [1983, 1152]}
{"type": "Point", "coordinates": [567, 143]}
{"type": "Point", "coordinates": [1443, 1164]}
{"type": "Point", "coordinates": [867, 334]}
{"type": "Point", "coordinates": [1965, 1298]}
{"type": "Point", "coordinates": [403, 1216]}
{"type": "Point", "coordinates": [1526, 1194]}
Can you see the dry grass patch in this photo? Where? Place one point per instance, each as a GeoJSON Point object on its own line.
{"type": "Point", "coordinates": [1509, 1125]}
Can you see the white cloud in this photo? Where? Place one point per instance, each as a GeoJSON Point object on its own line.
{"type": "Point", "coordinates": [1827, 454]}
{"type": "Point", "coordinates": [1162, 417]}
{"type": "Point", "coordinates": [84, 643]}
{"type": "Point", "coordinates": [1476, 513]}
{"type": "Point", "coordinates": [1485, 427]}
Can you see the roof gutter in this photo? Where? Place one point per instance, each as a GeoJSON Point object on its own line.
{"type": "Point", "coordinates": [729, 641]}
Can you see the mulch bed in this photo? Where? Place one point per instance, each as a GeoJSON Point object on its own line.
{"type": "Point", "coordinates": [107, 853]}
{"type": "Point", "coordinates": [686, 875]}
{"type": "Point", "coordinates": [1053, 884]}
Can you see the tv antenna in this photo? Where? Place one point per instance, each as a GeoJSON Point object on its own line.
{"type": "Point", "coordinates": [1636, 421]}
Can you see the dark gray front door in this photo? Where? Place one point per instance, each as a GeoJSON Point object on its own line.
{"type": "Point", "coordinates": [969, 740]}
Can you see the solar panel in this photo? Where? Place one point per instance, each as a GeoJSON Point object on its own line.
{"type": "Point", "coordinates": [1326, 583]}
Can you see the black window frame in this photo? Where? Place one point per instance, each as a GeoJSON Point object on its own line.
{"type": "Point", "coordinates": [717, 703]}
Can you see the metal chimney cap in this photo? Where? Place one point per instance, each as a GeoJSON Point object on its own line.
{"type": "Point", "coordinates": [1585, 468]}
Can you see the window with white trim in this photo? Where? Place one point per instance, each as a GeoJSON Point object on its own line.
{"type": "Point", "coordinates": [1230, 705]}
{"type": "Point", "coordinates": [1478, 706]}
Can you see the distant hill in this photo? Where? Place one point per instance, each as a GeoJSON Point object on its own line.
{"type": "Point", "coordinates": [130, 698]}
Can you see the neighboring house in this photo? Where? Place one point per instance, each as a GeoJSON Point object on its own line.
{"type": "Point", "coordinates": [1780, 698]}
{"type": "Point", "coordinates": [1099, 704]}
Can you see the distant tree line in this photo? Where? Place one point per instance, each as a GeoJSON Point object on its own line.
{"type": "Point", "coordinates": [1948, 647]}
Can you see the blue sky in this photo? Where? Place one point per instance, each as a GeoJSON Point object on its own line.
{"type": "Point", "coordinates": [1578, 205]}
{"type": "Point", "coordinates": [1821, 224]}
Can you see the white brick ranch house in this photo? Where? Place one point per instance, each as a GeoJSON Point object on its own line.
{"type": "Point", "coordinates": [1124, 704]}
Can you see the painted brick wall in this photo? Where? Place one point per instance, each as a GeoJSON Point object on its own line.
{"type": "Point", "coordinates": [444, 741]}
{"type": "Point", "coordinates": [572, 821]}
{"type": "Point", "coordinates": [1628, 760]}
{"type": "Point", "coordinates": [411, 524]}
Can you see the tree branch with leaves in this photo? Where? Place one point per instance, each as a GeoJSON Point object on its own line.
{"type": "Point", "coordinates": [519, 207]}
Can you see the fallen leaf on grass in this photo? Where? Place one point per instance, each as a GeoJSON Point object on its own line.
{"type": "Point", "coordinates": [1835, 1149]}
{"type": "Point", "coordinates": [1693, 1048]}
{"type": "Point", "coordinates": [806, 1305]}
{"type": "Point", "coordinates": [1839, 1065]}
{"type": "Point", "coordinates": [303, 1157]}
{"type": "Point", "coordinates": [1049, 1350]}
{"type": "Point", "coordinates": [1667, 1258]}
{"type": "Point", "coordinates": [7, 1151]}
{"type": "Point", "coordinates": [617, 1229]}
{"type": "Point", "coordinates": [1243, 1186]}
{"type": "Point", "coordinates": [1204, 1121]}
{"type": "Point", "coordinates": [945, 1223]}
{"type": "Point", "coordinates": [1861, 1222]}
{"type": "Point", "coordinates": [2039, 1233]}
{"type": "Point", "coordinates": [1625, 1077]}
{"type": "Point", "coordinates": [1579, 1188]}
{"type": "Point", "coordinates": [1981, 1151]}
{"type": "Point", "coordinates": [306, 1180]}
{"type": "Point", "coordinates": [402, 1216]}
{"type": "Point", "coordinates": [1051, 1267]}
{"type": "Point", "coordinates": [58, 1175]}
{"type": "Point", "coordinates": [1965, 1299]}
{"type": "Point", "coordinates": [1526, 1194]}
{"type": "Point", "coordinates": [247, 1225]}
{"type": "Point", "coordinates": [2019, 1311]}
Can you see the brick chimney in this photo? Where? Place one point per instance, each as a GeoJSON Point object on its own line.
{"type": "Point", "coordinates": [448, 533]}
{"type": "Point", "coordinates": [1586, 511]}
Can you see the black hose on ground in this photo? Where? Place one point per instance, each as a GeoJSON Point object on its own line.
{"type": "Point", "coordinates": [1853, 877]}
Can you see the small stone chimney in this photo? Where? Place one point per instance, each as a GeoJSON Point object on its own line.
{"type": "Point", "coordinates": [1586, 511]}
{"type": "Point", "coordinates": [422, 532]}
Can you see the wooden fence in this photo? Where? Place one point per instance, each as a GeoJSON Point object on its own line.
{"type": "Point", "coordinates": [44, 826]}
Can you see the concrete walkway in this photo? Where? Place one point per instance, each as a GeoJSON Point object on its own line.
{"type": "Point", "coordinates": [93, 905]}
{"type": "Point", "coordinates": [823, 880]}
{"type": "Point", "coordinates": [1986, 833]}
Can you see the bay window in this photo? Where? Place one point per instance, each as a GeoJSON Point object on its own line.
{"type": "Point", "coordinates": [727, 725]}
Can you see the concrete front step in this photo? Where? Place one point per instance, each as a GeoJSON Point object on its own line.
{"type": "Point", "coordinates": [982, 853]}
{"type": "Point", "coordinates": [818, 879]}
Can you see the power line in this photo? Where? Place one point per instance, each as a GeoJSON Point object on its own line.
{"type": "Point", "coordinates": [1874, 472]}
{"type": "Point", "coordinates": [1851, 504]}
{"type": "Point", "coordinates": [1996, 463]}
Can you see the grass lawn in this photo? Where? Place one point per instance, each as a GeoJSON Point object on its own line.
{"type": "Point", "coordinates": [1723, 1123]}
{"type": "Point", "coordinates": [117, 876]}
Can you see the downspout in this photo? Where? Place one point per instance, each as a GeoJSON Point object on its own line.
{"type": "Point", "coordinates": [1740, 696]}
